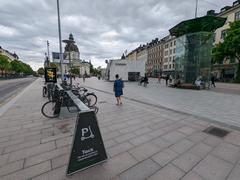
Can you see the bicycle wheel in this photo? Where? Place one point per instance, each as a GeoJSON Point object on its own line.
{"type": "Point", "coordinates": [92, 98]}
{"type": "Point", "coordinates": [51, 109]}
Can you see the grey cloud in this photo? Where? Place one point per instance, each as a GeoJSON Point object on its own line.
{"type": "Point", "coordinates": [102, 29]}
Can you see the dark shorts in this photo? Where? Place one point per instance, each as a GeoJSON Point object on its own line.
{"type": "Point", "coordinates": [118, 93]}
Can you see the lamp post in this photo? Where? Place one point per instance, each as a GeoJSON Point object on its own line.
{"type": "Point", "coordinates": [196, 9]}
{"type": "Point", "coordinates": [60, 42]}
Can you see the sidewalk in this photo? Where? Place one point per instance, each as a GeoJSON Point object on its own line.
{"type": "Point", "coordinates": [142, 142]}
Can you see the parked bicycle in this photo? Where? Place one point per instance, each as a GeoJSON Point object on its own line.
{"type": "Point", "coordinates": [84, 94]}
{"type": "Point", "coordinates": [52, 108]}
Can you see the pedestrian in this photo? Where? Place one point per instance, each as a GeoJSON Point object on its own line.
{"type": "Point", "coordinates": [118, 89]}
{"type": "Point", "coordinates": [145, 80]}
{"type": "Point", "coordinates": [167, 78]}
{"type": "Point", "coordinates": [159, 79]}
{"type": "Point", "coordinates": [213, 81]}
{"type": "Point", "coordinates": [84, 78]}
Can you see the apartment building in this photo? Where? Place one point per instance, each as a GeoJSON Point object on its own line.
{"type": "Point", "coordinates": [169, 51]}
{"type": "Point", "coordinates": [232, 13]}
{"type": "Point", "coordinates": [227, 70]}
{"type": "Point", "coordinates": [11, 56]}
{"type": "Point", "coordinates": [154, 57]}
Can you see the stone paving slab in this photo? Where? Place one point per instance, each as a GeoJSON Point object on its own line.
{"type": "Point", "coordinates": [142, 142]}
{"type": "Point", "coordinates": [204, 103]}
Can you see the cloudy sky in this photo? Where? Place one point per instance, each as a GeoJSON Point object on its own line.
{"type": "Point", "coordinates": [103, 29]}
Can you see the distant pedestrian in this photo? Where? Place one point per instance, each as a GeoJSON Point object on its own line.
{"type": "Point", "coordinates": [84, 78]}
{"type": "Point", "coordinates": [118, 89]}
{"type": "Point", "coordinates": [159, 79]}
{"type": "Point", "coordinates": [167, 78]}
{"type": "Point", "coordinates": [213, 81]}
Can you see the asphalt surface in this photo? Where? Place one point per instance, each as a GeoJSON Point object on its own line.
{"type": "Point", "coordinates": [9, 88]}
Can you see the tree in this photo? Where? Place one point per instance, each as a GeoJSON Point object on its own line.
{"type": "Point", "coordinates": [230, 48]}
{"type": "Point", "coordinates": [75, 70]}
{"type": "Point", "coordinates": [4, 63]}
{"type": "Point", "coordinates": [40, 71]}
{"type": "Point", "coordinates": [54, 65]}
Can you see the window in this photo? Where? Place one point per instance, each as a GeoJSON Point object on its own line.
{"type": "Point", "coordinates": [170, 51]}
{"type": "Point", "coordinates": [171, 44]}
{"type": "Point", "coordinates": [237, 16]}
{"type": "Point", "coordinates": [173, 59]}
{"type": "Point", "coordinates": [173, 66]}
{"type": "Point", "coordinates": [170, 59]}
{"type": "Point", "coordinates": [174, 50]}
{"type": "Point", "coordinates": [174, 43]}
{"type": "Point", "coordinates": [166, 53]}
{"type": "Point", "coordinates": [166, 46]}
{"type": "Point", "coordinates": [170, 66]}
{"type": "Point", "coordinates": [165, 66]}
{"type": "Point", "coordinates": [223, 34]}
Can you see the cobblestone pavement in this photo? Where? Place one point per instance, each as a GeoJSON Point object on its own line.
{"type": "Point", "coordinates": [142, 142]}
{"type": "Point", "coordinates": [221, 107]}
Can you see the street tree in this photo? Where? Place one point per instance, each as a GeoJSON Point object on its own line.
{"type": "Point", "coordinates": [40, 71]}
{"type": "Point", "coordinates": [54, 65]}
{"type": "Point", "coordinates": [4, 64]}
{"type": "Point", "coordinates": [75, 70]}
{"type": "Point", "coordinates": [230, 48]}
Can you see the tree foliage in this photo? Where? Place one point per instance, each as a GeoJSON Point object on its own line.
{"type": "Point", "coordinates": [94, 71]}
{"type": "Point", "coordinates": [15, 67]}
{"type": "Point", "coordinates": [75, 70]}
{"type": "Point", "coordinates": [54, 65]}
{"type": "Point", "coordinates": [21, 67]}
{"type": "Point", "coordinates": [41, 71]}
{"type": "Point", "coordinates": [230, 48]}
{"type": "Point", "coordinates": [4, 63]}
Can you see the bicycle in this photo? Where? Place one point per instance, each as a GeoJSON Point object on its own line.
{"type": "Point", "coordinates": [90, 96]}
{"type": "Point", "coordinates": [52, 108]}
{"type": "Point", "coordinates": [44, 91]}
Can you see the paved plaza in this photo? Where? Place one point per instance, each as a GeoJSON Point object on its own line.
{"type": "Point", "coordinates": [221, 107]}
{"type": "Point", "coordinates": [143, 140]}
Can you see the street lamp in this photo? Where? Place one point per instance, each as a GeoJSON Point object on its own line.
{"type": "Point", "coordinates": [60, 42]}
{"type": "Point", "coordinates": [196, 9]}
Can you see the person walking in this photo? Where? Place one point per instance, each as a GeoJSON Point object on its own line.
{"type": "Point", "coordinates": [159, 79]}
{"type": "Point", "coordinates": [213, 81]}
{"type": "Point", "coordinates": [167, 78]}
{"type": "Point", "coordinates": [84, 78]}
{"type": "Point", "coordinates": [118, 89]}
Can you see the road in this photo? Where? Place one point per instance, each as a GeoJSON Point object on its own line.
{"type": "Point", "coordinates": [9, 88]}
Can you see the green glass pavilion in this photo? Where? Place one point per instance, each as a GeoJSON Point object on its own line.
{"type": "Point", "coordinates": [194, 47]}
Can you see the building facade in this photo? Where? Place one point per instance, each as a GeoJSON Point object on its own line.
{"type": "Point", "coordinates": [132, 55]}
{"type": "Point", "coordinates": [11, 56]}
{"type": "Point", "coordinates": [142, 53]}
{"type": "Point", "coordinates": [154, 58]}
{"type": "Point", "coordinates": [128, 70]}
{"type": "Point", "coordinates": [169, 52]}
{"type": "Point", "coordinates": [72, 58]}
{"type": "Point", "coordinates": [227, 70]}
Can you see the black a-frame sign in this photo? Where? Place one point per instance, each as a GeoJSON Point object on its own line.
{"type": "Point", "coordinates": [87, 148]}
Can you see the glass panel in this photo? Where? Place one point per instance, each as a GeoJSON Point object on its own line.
{"type": "Point", "coordinates": [193, 57]}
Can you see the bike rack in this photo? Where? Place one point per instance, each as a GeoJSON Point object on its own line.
{"type": "Point", "coordinates": [80, 105]}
